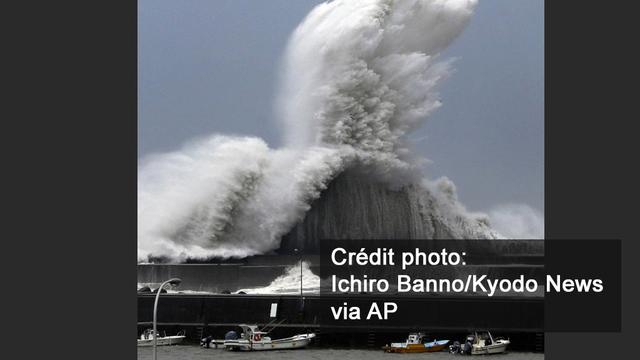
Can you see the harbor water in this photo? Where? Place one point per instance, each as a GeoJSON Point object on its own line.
{"type": "Point", "coordinates": [195, 352]}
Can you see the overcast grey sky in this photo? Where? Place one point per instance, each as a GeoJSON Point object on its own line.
{"type": "Point", "coordinates": [210, 66]}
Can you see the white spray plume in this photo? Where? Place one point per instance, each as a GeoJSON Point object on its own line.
{"type": "Point", "coordinates": [227, 197]}
{"type": "Point", "coordinates": [358, 76]}
{"type": "Point", "coordinates": [363, 73]}
{"type": "Point", "coordinates": [289, 282]}
{"type": "Point", "coordinates": [517, 221]}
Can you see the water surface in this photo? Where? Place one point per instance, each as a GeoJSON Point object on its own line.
{"type": "Point", "coordinates": [195, 352]}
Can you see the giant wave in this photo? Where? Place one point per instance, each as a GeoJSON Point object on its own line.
{"type": "Point", "coordinates": [358, 76]}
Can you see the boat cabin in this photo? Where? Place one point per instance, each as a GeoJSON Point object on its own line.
{"type": "Point", "coordinates": [481, 338]}
{"type": "Point", "coordinates": [147, 335]}
{"type": "Point", "coordinates": [252, 332]}
{"type": "Point", "coordinates": [415, 338]}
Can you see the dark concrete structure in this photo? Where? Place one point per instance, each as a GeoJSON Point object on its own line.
{"type": "Point", "coordinates": [441, 316]}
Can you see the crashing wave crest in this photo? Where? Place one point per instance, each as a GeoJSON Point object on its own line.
{"type": "Point", "coordinates": [358, 76]}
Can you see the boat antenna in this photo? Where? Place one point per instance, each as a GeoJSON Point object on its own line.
{"type": "Point", "coordinates": [269, 323]}
{"type": "Point", "coordinates": [273, 326]}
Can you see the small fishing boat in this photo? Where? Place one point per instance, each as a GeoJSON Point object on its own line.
{"type": "Point", "coordinates": [146, 339]}
{"type": "Point", "coordinates": [481, 343]}
{"type": "Point", "coordinates": [416, 344]}
{"type": "Point", "coordinates": [253, 339]}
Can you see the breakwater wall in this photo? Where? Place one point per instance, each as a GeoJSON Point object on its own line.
{"type": "Point", "coordinates": [500, 259]}
{"type": "Point", "coordinates": [442, 317]}
{"type": "Point", "coordinates": [518, 317]}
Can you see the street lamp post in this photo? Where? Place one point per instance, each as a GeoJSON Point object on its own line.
{"type": "Point", "coordinates": [173, 282]}
{"type": "Point", "coordinates": [301, 309]}
{"type": "Point", "coordinates": [300, 253]}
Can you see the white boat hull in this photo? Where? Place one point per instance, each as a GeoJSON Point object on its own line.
{"type": "Point", "coordinates": [496, 348]}
{"type": "Point", "coordinates": [162, 341]}
{"type": "Point", "coordinates": [294, 342]}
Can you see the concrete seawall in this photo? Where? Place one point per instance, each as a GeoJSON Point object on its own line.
{"type": "Point", "coordinates": [519, 317]}
{"type": "Point", "coordinates": [501, 259]}
{"type": "Point", "coordinates": [443, 317]}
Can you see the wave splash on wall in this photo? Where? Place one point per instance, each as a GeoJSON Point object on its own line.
{"type": "Point", "coordinates": [358, 76]}
{"type": "Point", "coordinates": [290, 281]}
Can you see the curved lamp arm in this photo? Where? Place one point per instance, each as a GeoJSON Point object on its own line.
{"type": "Point", "coordinates": [173, 282]}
